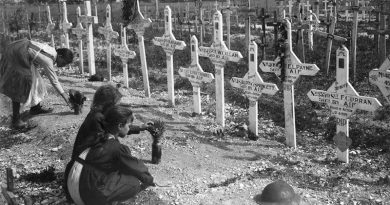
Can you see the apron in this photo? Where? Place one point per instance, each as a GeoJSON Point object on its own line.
{"type": "Point", "coordinates": [74, 179]}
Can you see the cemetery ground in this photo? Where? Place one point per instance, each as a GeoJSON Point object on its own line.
{"type": "Point", "coordinates": [199, 164]}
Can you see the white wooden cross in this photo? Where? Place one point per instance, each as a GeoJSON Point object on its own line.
{"type": "Point", "coordinates": [169, 43]}
{"type": "Point", "coordinates": [381, 78]}
{"type": "Point", "coordinates": [80, 32]}
{"type": "Point", "coordinates": [228, 10]}
{"type": "Point", "coordinates": [89, 20]}
{"type": "Point", "coordinates": [125, 54]}
{"type": "Point", "coordinates": [290, 6]}
{"type": "Point", "coordinates": [325, 7]}
{"type": "Point", "coordinates": [66, 26]}
{"type": "Point", "coordinates": [355, 8]}
{"type": "Point", "coordinates": [293, 69]}
{"type": "Point", "coordinates": [330, 37]}
{"type": "Point", "coordinates": [196, 75]}
{"type": "Point", "coordinates": [343, 101]}
{"type": "Point", "coordinates": [253, 86]}
{"type": "Point", "coordinates": [50, 26]}
{"type": "Point", "coordinates": [138, 25]}
{"type": "Point", "coordinates": [280, 7]}
{"type": "Point", "coordinates": [247, 12]}
{"type": "Point", "coordinates": [109, 34]}
{"type": "Point", "coordinates": [219, 54]}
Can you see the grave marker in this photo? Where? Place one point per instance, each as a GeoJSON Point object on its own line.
{"type": "Point", "coordinates": [219, 54]}
{"type": "Point", "coordinates": [196, 75]}
{"type": "Point", "coordinates": [253, 87]}
{"type": "Point", "coordinates": [138, 25]}
{"type": "Point", "coordinates": [293, 69]}
{"type": "Point", "coordinates": [50, 26]}
{"type": "Point", "coordinates": [125, 54]}
{"type": "Point", "coordinates": [290, 6]}
{"type": "Point", "coordinates": [355, 8]}
{"type": "Point", "coordinates": [66, 26]}
{"type": "Point", "coordinates": [330, 37]}
{"type": "Point", "coordinates": [247, 12]}
{"type": "Point", "coordinates": [343, 101]}
{"type": "Point", "coordinates": [89, 20]}
{"type": "Point", "coordinates": [262, 17]}
{"type": "Point", "coordinates": [228, 11]}
{"type": "Point", "coordinates": [169, 43]}
{"type": "Point", "coordinates": [275, 24]}
{"type": "Point", "coordinates": [80, 32]}
{"type": "Point", "coordinates": [381, 78]}
{"type": "Point", "coordinates": [109, 34]}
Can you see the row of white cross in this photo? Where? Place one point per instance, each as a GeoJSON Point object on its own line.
{"type": "Point", "coordinates": [342, 98]}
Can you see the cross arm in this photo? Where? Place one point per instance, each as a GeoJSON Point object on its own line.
{"type": "Point", "coordinates": [330, 36]}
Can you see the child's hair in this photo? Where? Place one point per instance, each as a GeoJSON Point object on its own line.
{"type": "Point", "coordinates": [105, 97]}
{"type": "Point", "coordinates": [66, 54]}
{"type": "Point", "coordinates": [116, 115]}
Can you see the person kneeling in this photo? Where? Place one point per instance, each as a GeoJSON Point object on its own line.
{"type": "Point", "coordinates": [107, 172]}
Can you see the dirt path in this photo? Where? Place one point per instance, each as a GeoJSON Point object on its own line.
{"type": "Point", "coordinates": [199, 167]}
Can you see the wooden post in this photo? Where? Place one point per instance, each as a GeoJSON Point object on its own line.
{"type": "Point", "coordinates": [219, 55]}
{"type": "Point", "coordinates": [275, 24]}
{"type": "Point", "coordinates": [262, 17]}
{"type": "Point", "coordinates": [80, 32]}
{"type": "Point", "coordinates": [355, 8]}
{"type": "Point", "coordinates": [139, 26]}
{"type": "Point", "coordinates": [109, 34]}
{"type": "Point", "coordinates": [253, 86]}
{"type": "Point", "coordinates": [156, 9]}
{"type": "Point", "coordinates": [343, 101]}
{"type": "Point", "coordinates": [317, 7]}
{"type": "Point", "coordinates": [381, 78]}
{"type": "Point", "coordinates": [383, 30]}
{"type": "Point", "coordinates": [196, 75]}
{"type": "Point", "coordinates": [330, 37]}
{"type": "Point", "coordinates": [169, 43]}
{"type": "Point", "coordinates": [125, 54]}
{"type": "Point", "coordinates": [247, 12]}
{"type": "Point", "coordinates": [10, 180]}
{"type": "Point", "coordinates": [50, 26]}
{"type": "Point", "coordinates": [290, 6]}
{"type": "Point", "coordinates": [202, 26]}
{"type": "Point", "coordinates": [227, 10]}
{"type": "Point", "coordinates": [89, 20]}
{"type": "Point", "coordinates": [293, 69]}
{"type": "Point", "coordinates": [66, 26]}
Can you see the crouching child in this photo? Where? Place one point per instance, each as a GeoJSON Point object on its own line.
{"type": "Point", "coordinates": [107, 172]}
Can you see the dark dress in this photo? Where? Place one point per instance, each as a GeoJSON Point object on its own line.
{"type": "Point", "coordinates": [110, 174]}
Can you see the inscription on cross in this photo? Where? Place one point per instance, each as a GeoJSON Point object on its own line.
{"type": "Point", "coordinates": [124, 54]}
{"type": "Point", "coordinates": [109, 34]}
{"type": "Point", "coordinates": [169, 43]}
{"type": "Point", "coordinates": [196, 75]}
{"type": "Point", "coordinates": [381, 78]}
{"type": "Point", "coordinates": [138, 25]}
{"type": "Point", "coordinates": [343, 101]}
{"type": "Point", "coordinates": [293, 69]}
{"type": "Point", "coordinates": [219, 54]}
{"type": "Point", "coordinates": [253, 86]}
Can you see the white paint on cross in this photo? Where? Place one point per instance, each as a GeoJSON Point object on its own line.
{"type": "Point", "coordinates": [124, 54]}
{"type": "Point", "coordinates": [253, 86]}
{"type": "Point", "coordinates": [138, 25]}
{"type": "Point", "coordinates": [169, 43]}
{"type": "Point", "coordinates": [381, 78]}
{"type": "Point", "coordinates": [109, 34]}
{"type": "Point", "coordinates": [219, 54]}
{"type": "Point", "coordinates": [294, 68]}
{"type": "Point", "coordinates": [66, 26]}
{"type": "Point", "coordinates": [196, 75]}
{"type": "Point", "coordinates": [89, 20]}
{"type": "Point", "coordinates": [50, 25]}
{"type": "Point", "coordinates": [80, 32]}
{"type": "Point", "coordinates": [343, 101]}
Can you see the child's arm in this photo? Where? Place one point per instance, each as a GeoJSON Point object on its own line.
{"type": "Point", "coordinates": [133, 166]}
{"type": "Point", "coordinates": [135, 129]}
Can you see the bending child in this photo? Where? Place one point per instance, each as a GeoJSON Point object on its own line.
{"type": "Point", "coordinates": [107, 172]}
